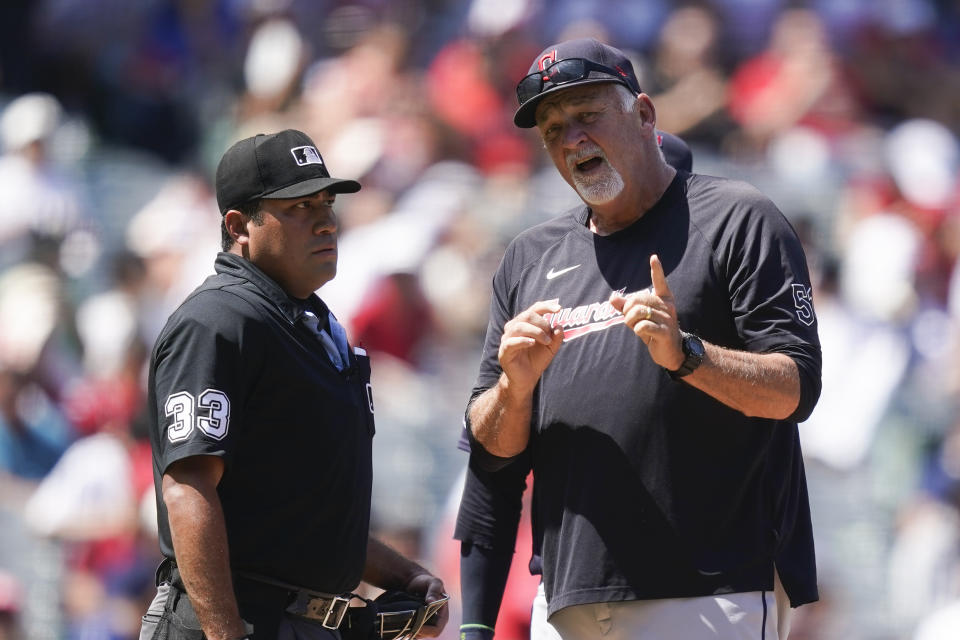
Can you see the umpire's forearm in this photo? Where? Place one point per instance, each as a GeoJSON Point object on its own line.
{"type": "Point", "coordinates": [500, 419]}
{"type": "Point", "coordinates": [388, 569]}
{"type": "Point", "coordinates": [200, 543]}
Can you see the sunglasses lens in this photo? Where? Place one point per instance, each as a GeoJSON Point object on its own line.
{"type": "Point", "coordinates": [558, 73]}
{"type": "Point", "coordinates": [529, 87]}
{"type": "Point", "coordinates": [566, 71]}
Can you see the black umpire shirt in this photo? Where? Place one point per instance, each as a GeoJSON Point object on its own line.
{"type": "Point", "coordinates": [646, 487]}
{"type": "Point", "coordinates": [237, 374]}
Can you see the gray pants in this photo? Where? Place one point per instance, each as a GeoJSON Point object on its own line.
{"type": "Point", "coordinates": [171, 617]}
{"type": "Point", "coordinates": [157, 613]}
{"type": "Point", "coordinates": [733, 615]}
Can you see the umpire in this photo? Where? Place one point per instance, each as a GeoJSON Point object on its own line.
{"type": "Point", "coordinates": [262, 423]}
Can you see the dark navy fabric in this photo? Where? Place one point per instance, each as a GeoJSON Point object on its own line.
{"type": "Point", "coordinates": [646, 487]}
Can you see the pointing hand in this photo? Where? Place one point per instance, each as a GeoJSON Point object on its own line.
{"type": "Point", "coordinates": [652, 316]}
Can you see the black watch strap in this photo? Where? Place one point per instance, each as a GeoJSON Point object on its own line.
{"type": "Point", "coordinates": [693, 353]}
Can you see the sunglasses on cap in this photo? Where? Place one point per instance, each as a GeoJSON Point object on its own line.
{"type": "Point", "coordinates": [563, 72]}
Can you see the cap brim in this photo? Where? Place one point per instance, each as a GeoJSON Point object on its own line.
{"type": "Point", "coordinates": [315, 185]}
{"type": "Point", "coordinates": [525, 115]}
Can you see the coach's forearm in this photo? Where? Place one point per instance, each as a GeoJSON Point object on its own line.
{"type": "Point", "coordinates": [500, 419]}
{"type": "Point", "coordinates": [761, 385]}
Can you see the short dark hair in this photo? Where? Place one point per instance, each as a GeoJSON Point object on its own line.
{"type": "Point", "coordinates": [250, 209]}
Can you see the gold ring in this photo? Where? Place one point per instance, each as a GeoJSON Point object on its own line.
{"type": "Point", "coordinates": [647, 312]}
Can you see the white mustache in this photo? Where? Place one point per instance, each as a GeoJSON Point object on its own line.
{"type": "Point", "coordinates": [584, 153]}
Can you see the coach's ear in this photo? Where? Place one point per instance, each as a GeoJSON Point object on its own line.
{"type": "Point", "coordinates": [236, 225]}
{"type": "Point", "coordinates": [645, 109]}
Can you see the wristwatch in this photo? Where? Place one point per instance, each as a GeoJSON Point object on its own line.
{"type": "Point", "coordinates": [693, 353]}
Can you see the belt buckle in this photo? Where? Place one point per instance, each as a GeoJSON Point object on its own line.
{"type": "Point", "coordinates": [336, 610]}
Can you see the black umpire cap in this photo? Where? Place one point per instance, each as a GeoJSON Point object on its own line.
{"type": "Point", "coordinates": [568, 64]}
{"type": "Point", "coordinates": [279, 165]}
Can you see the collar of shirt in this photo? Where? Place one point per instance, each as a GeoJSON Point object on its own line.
{"type": "Point", "coordinates": [291, 308]}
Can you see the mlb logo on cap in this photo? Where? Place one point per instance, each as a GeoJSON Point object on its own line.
{"type": "Point", "coordinates": [306, 155]}
{"type": "Point", "coordinates": [259, 167]}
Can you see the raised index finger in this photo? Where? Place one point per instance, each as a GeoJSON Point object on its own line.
{"type": "Point", "coordinates": [659, 279]}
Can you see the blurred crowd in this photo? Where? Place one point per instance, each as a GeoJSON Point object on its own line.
{"type": "Point", "coordinates": [113, 115]}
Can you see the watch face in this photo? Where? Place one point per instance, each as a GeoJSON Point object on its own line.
{"type": "Point", "coordinates": [694, 346]}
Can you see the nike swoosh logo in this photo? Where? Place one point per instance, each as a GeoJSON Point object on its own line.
{"type": "Point", "coordinates": [553, 274]}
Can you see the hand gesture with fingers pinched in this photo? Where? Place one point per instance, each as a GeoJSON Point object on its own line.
{"type": "Point", "coordinates": [528, 345]}
{"type": "Point", "coordinates": [652, 316]}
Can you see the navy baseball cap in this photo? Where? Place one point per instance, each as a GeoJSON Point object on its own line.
{"type": "Point", "coordinates": [675, 151]}
{"type": "Point", "coordinates": [568, 64]}
{"type": "Point", "coordinates": [279, 165]}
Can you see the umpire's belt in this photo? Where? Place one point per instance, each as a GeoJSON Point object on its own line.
{"type": "Point", "coordinates": [331, 611]}
{"type": "Point", "coordinates": [334, 612]}
{"type": "Point", "coordinates": [327, 609]}
{"type": "Point", "coordinates": [402, 620]}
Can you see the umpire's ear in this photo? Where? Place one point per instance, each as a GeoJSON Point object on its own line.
{"type": "Point", "coordinates": [236, 225]}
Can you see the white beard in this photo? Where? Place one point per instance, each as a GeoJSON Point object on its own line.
{"type": "Point", "coordinates": [600, 187]}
